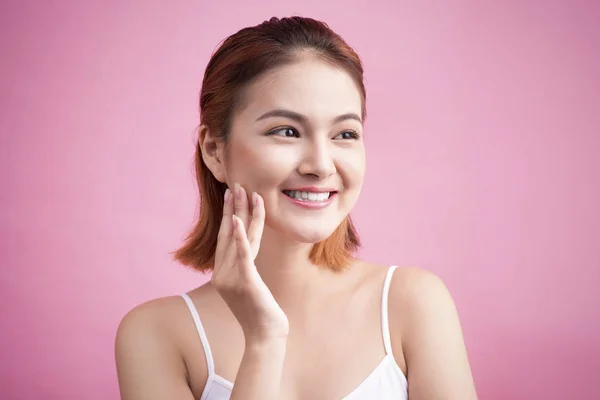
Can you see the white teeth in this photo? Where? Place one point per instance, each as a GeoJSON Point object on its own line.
{"type": "Point", "coordinates": [307, 196]}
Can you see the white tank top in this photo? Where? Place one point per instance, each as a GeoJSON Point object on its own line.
{"type": "Point", "coordinates": [385, 382]}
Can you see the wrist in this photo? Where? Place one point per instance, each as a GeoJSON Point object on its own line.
{"type": "Point", "coordinates": [264, 336]}
{"type": "Point", "coordinates": [258, 344]}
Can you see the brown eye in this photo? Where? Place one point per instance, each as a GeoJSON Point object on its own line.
{"type": "Point", "coordinates": [284, 132]}
{"type": "Point", "coordinates": [349, 135]}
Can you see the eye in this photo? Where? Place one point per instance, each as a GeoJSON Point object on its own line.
{"type": "Point", "coordinates": [349, 135]}
{"type": "Point", "coordinates": [285, 131]}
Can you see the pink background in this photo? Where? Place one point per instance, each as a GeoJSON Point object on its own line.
{"type": "Point", "coordinates": [483, 166]}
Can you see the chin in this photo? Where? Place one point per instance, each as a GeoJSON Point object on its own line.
{"type": "Point", "coordinates": [311, 237]}
{"type": "Point", "coordinates": [308, 233]}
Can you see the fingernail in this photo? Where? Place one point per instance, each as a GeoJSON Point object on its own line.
{"type": "Point", "coordinates": [238, 192]}
{"type": "Point", "coordinates": [254, 199]}
{"type": "Point", "coordinates": [227, 195]}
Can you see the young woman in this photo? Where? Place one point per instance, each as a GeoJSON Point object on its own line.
{"type": "Point", "coordinates": [289, 313]}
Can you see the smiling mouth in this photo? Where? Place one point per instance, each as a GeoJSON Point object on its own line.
{"type": "Point", "coordinates": [308, 196]}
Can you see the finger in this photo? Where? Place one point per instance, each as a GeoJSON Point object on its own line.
{"type": "Point", "coordinates": [226, 228]}
{"type": "Point", "coordinates": [244, 258]}
{"type": "Point", "coordinates": [241, 204]}
{"type": "Point", "coordinates": [257, 224]}
{"type": "Point", "coordinates": [229, 255]}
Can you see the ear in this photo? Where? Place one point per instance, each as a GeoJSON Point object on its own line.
{"type": "Point", "coordinates": [212, 149]}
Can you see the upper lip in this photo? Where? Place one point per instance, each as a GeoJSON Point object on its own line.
{"type": "Point", "coordinates": [313, 189]}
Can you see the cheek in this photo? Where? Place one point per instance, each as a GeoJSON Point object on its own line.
{"type": "Point", "coordinates": [352, 168]}
{"type": "Point", "coordinates": [257, 166]}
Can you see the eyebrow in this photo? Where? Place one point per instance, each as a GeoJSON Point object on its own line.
{"type": "Point", "coordinates": [302, 119]}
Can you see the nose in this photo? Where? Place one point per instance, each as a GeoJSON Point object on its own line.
{"type": "Point", "coordinates": [317, 159]}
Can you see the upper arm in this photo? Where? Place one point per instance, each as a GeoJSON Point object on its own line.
{"type": "Point", "coordinates": [436, 357]}
{"type": "Point", "coordinates": [148, 367]}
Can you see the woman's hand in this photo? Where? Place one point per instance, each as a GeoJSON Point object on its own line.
{"type": "Point", "coordinates": [235, 276]}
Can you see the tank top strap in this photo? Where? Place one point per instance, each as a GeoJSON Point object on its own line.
{"type": "Point", "coordinates": [387, 342]}
{"type": "Point", "coordinates": [200, 328]}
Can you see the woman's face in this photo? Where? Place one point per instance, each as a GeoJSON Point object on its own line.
{"type": "Point", "coordinates": [300, 129]}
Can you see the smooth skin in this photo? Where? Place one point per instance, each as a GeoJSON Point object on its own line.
{"type": "Point", "coordinates": [278, 326]}
{"type": "Point", "coordinates": [237, 280]}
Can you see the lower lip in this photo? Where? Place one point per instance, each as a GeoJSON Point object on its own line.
{"type": "Point", "coordinates": [313, 205]}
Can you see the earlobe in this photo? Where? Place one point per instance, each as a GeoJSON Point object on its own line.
{"type": "Point", "coordinates": [212, 153]}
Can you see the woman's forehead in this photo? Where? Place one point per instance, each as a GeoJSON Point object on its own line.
{"type": "Point", "coordinates": [312, 88]}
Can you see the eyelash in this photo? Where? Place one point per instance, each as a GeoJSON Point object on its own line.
{"type": "Point", "coordinates": [354, 135]}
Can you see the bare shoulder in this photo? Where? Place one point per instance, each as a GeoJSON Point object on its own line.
{"type": "Point", "coordinates": [414, 287]}
{"type": "Point", "coordinates": [423, 300]}
{"type": "Point", "coordinates": [149, 319]}
{"type": "Point", "coordinates": [408, 284]}
{"type": "Point", "coordinates": [427, 322]}
{"type": "Point", "coordinates": [164, 322]}
{"type": "Point", "coordinates": [149, 350]}
{"type": "Point", "coordinates": [143, 338]}
{"type": "Point", "coordinates": [161, 316]}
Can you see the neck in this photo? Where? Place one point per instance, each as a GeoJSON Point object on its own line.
{"type": "Point", "coordinates": [285, 267]}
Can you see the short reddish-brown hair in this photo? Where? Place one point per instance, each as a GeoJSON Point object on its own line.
{"type": "Point", "coordinates": [240, 59]}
